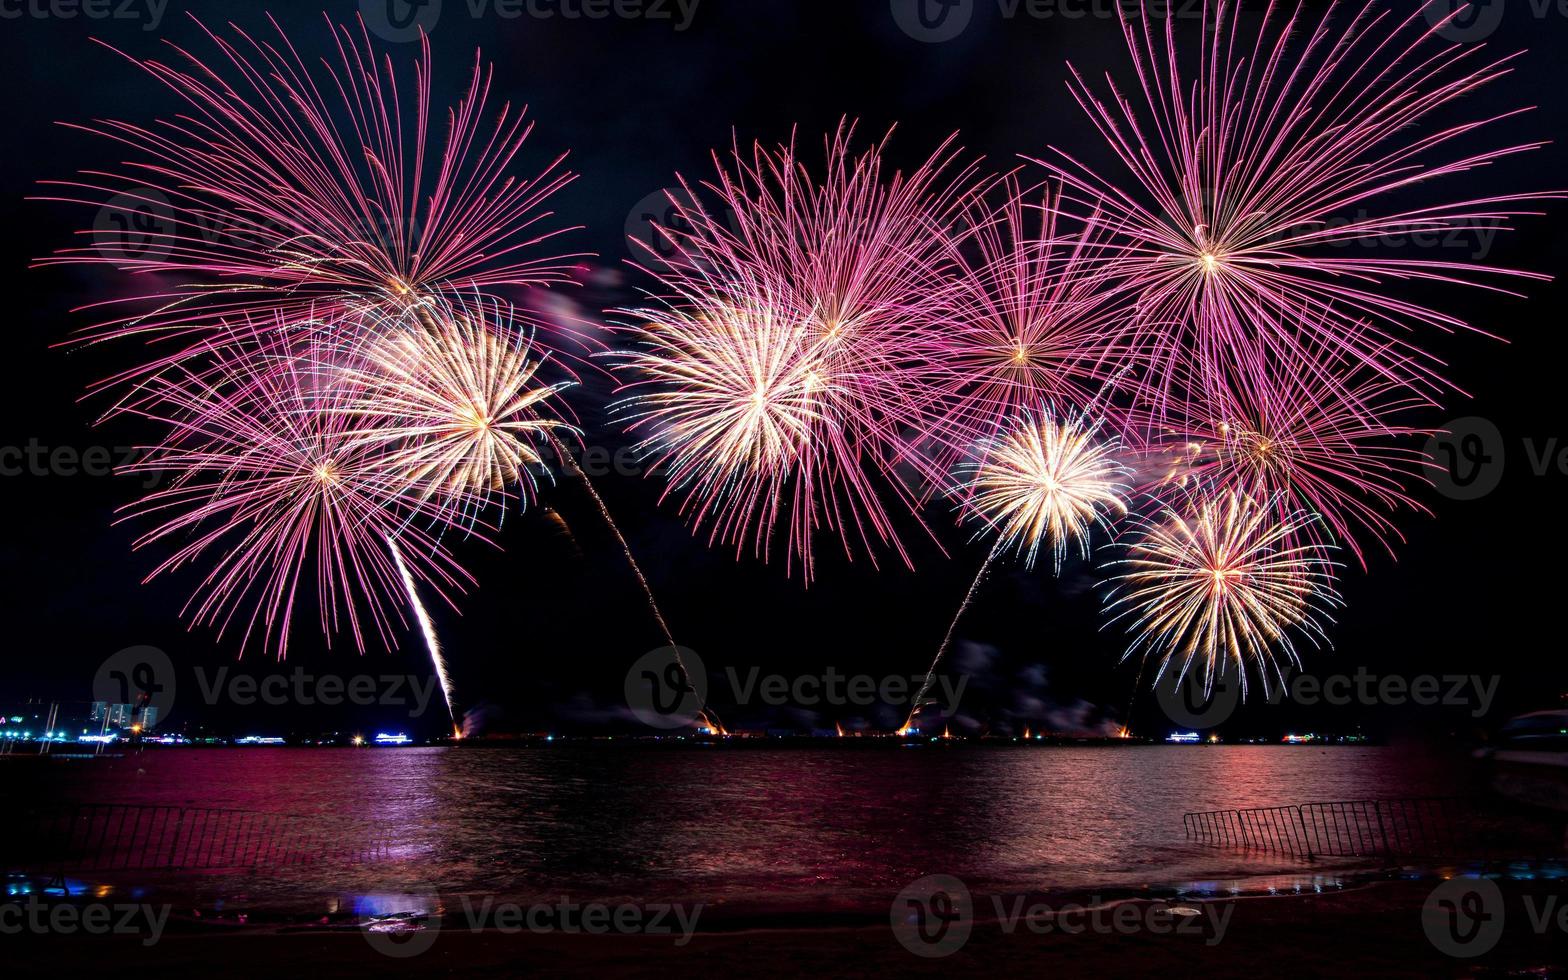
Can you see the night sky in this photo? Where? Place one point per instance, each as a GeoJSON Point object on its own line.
{"type": "Point", "coordinates": [545, 641]}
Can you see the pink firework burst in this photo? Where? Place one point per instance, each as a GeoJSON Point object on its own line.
{"type": "Point", "coordinates": [809, 294]}
{"type": "Point", "coordinates": [1267, 165]}
{"type": "Point", "coordinates": [1030, 322]}
{"type": "Point", "coordinates": [1323, 433]}
{"type": "Point", "coordinates": [288, 193]}
{"type": "Point", "coordinates": [272, 478]}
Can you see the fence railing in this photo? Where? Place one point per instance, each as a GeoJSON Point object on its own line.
{"type": "Point", "coordinates": [1346, 828]}
{"type": "Point", "coordinates": [114, 836]}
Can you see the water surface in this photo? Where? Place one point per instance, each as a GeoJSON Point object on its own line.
{"type": "Point", "coordinates": [822, 828]}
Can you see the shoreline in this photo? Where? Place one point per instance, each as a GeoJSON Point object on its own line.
{"type": "Point", "coordinates": [729, 915]}
{"type": "Point", "coordinates": [1379, 927]}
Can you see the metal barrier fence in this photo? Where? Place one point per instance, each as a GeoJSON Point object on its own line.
{"type": "Point", "coordinates": [124, 837]}
{"type": "Point", "coordinates": [1347, 828]}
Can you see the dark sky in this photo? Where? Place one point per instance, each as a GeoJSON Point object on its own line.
{"type": "Point", "coordinates": [548, 636]}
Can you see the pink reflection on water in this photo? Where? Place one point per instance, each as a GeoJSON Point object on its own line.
{"type": "Point", "coordinates": [820, 828]}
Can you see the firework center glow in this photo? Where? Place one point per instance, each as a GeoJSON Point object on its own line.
{"type": "Point", "coordinates": [326, 473]}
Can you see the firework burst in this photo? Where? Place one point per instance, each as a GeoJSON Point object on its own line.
{"type": "Point", "coordinates": [1220, 581]}
{"type": "Point", "coordinates": [1323, 433]}
{"type": "Point", "coordinates": [1029, 321]}
{"type": "Point", "coordinates": [1260, 169]}
{"type": "Point", "coordinates": [269, 475]}
{"type": "Point", "coordinates": [1050, 482]}
{"type": "Point", "coordinates": [452, 396]}
{"type": "Point", "coordinates": [1047, 482]}
{"type": "Point", "coordinates": [287, 193]}
{"type": "Point", "coordinates": [730, 397]}
{"type": "Point", "coordinates": [836, 276]}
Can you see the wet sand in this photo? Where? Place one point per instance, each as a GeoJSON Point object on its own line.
{"type": "Point", "coordinates": [1373, 930]}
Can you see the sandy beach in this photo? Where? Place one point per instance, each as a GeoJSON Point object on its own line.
{"type": "Point", "coordinates": [1372, 930]}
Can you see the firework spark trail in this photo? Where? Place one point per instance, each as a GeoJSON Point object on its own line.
{"type": "Point", "coordinates": [947, 638]}
{"type": "Point", "coordinates": [525, 409]}
{"type": "Point", "coordinates": [433, 316]}
{"type": "Point", "coordinates": [570, 465]}
{"type": "Point", "coordinates": [707, 716]}
{"type": "Point", "coordinates": [1048, 482]}
{"type": "Point", "coordinates": [437, 659]}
